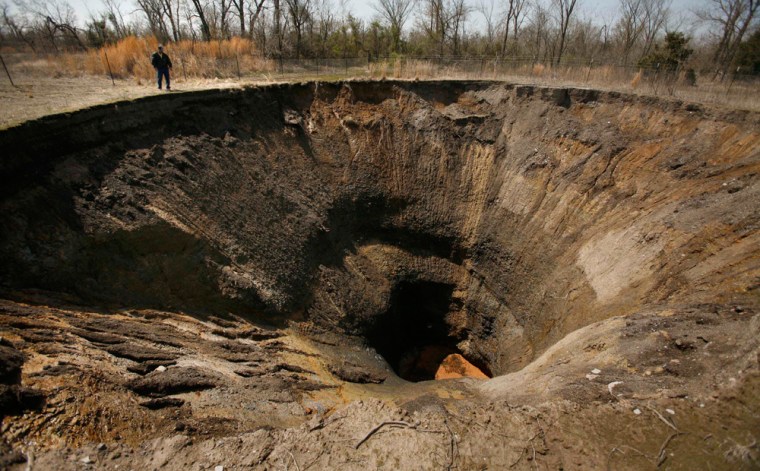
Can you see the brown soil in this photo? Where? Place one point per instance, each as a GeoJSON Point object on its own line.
{"type": "Point", "coordinates": [259, 278]}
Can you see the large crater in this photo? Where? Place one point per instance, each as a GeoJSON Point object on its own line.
{"type": "Point", "coordinates": [479, 218]}
{"type": "Point", "coordinates": [512, 215]}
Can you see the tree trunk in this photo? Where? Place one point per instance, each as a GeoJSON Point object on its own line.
{"type": "Point", "coordinates": [205, 30]}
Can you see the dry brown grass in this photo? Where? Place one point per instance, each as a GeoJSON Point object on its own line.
{"type": "Point", "coordinates": [130, 57]}
{"type": "Point", "coordinates": [238, 60]}
{"type": "Point", "coordinates": [637, 79]}
{"type": "Point", "coordinates": [739, 94]}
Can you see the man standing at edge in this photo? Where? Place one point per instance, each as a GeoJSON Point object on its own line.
{"type": "Point", "coordinates": [162, 64]}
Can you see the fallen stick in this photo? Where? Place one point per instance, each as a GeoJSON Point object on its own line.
{"type": "Point", "coordinates": [529, 442]}
{"type": "Point", "coordinates": [298, 468]}
{"type": "Point", "coordinates": [377, 428]}
{"type": "Point", "coordinates": [661, 456]}
{"type": "Point", "coordinates": [666, 421]}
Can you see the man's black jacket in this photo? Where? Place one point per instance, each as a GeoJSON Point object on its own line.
{"type": "Point", "coordinates": [160, 61]}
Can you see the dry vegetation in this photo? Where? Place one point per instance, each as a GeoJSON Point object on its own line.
{"type": "Point", "coordinates": [129, 58]}
{"type": "Point", "coordinates": [54, 83]}
{"type": "Point", "coordinates": [739, 94]}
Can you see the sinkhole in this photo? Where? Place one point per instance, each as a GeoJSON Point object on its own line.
{"type": "Point", "coordinates": [417, 337]}
{"type": "Point", "coordinates": [435, 221]}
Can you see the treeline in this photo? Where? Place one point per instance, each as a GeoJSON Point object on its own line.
{"type": "Point", "coordinates": [550, 32]}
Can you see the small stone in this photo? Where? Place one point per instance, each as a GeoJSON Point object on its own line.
{"type": "Point", "coordinates": [86, 460]}
{"type": "Point", "coordinates": [670, 411]}
{"type": "Point", "coordinates": [596, 371]}
{"type": "Point", "coordinates": [161, 369]}
{"type": "Point", "coordinates": [591, 377]}
{"type": "Point", "coordinates": [219, 468]}
{"type": "Point", "coordinates": [637, 411]}
{"type": "Point", "coordinates": [101, 447]}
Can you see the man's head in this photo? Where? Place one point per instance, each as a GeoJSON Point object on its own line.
{"type": "Point", "coordinates": [160, 48]}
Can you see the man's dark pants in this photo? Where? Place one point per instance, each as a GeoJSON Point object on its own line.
{"type": "Point", "coordinates": [161, 73]}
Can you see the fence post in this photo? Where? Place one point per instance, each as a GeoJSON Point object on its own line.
{"type": "Point", "coordinates": [6, 71]}
{"type": "Point", "coordinates": [733, 77]}
{"type": "Point", "coordinates": [590, 64]}
{"type": "Point", "coordinates": [237, 64]}
{"type": "Point", "coordinates": [108, 63]}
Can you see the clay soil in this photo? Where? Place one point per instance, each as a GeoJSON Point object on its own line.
{"type": "Point", "coordinates": [258, 278]}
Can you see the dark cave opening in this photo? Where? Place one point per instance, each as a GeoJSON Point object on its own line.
{"type": "Point", "coordinates": [414, 335]}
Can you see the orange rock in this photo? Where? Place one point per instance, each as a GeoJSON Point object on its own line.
{"type": "Point", "coordinates": [455, 366]}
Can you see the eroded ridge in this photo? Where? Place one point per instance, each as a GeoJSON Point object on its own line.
{"type": "Point", "coordinates": [579, 246]}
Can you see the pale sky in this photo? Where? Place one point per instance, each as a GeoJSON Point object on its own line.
{"type": "Point", "coordinates": [603, 10]}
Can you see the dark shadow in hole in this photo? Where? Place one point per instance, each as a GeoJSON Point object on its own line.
{"type": "Point", "coordinates": [413, 335]}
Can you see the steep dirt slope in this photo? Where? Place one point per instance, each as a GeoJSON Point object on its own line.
{"type": "Point", "coordinates": [598, 253]}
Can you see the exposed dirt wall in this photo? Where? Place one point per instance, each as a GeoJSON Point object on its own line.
{"type": "Point", "coordinates": [546, 209]}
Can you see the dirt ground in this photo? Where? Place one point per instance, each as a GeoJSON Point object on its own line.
{"type": "Point", "coordinates": [42, 96]}
{"type": "Point", "coordinates": [237, 278]}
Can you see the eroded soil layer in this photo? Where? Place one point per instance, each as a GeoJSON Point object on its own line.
{"type": "Point", "coordinates": [248, 277]}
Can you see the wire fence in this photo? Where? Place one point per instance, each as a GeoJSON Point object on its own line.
{"type": "Point", "coordinates": [737, 89]}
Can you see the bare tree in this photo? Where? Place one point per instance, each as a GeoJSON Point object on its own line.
{"type": "Point", "coordinates": [487, 8]}
{"type": "Point", "coordinates": [630, 26]}
{"type": "Point", "coordinates": [434, 23]}
{"type": "Point", "coordinates": [566, 8]}
{"type": "Point", "coordinates": [733, 19]}
{"type": "Point", "coordinates": [458, 17]}
{"type": "Point", "coordinates": [154, 14]}
{"type": "Point", "coordinates": [253, 8]}
{"type": "Point", "coordinates": [221, 18]}
{"type": "Point", "coordinates": [539, 31]}
{"type": "Point", "coordinates": [395, 13]}
{"type": "Point", "coordinates": [299, 12]}
{"type": "Point", "coordinates": [115, 17]}
{"type": "Point", "coordinates": [277, 20]}
{"type": "Point", "coordinates": [171, 11]}
{"type": "Point", "coordinates": [512, 11]}
{"type": "Point", "coordinates": [17, 27]}
{"type": "Point", "coordinates": [442, 21]}
{"type": "Point", "coordinates": [200, 14]}
{"type": "Point", "coordinates": [55, 18]}
{"type": "Point", "coordinates": [656, 14]}
{"type": "Point", "coordinates": [325, 25]}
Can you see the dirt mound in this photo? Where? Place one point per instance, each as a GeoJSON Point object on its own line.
{"type": "Point", "coordinates": [455, 366]}
{"type": "Point", "coordinates": [595, 253]}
